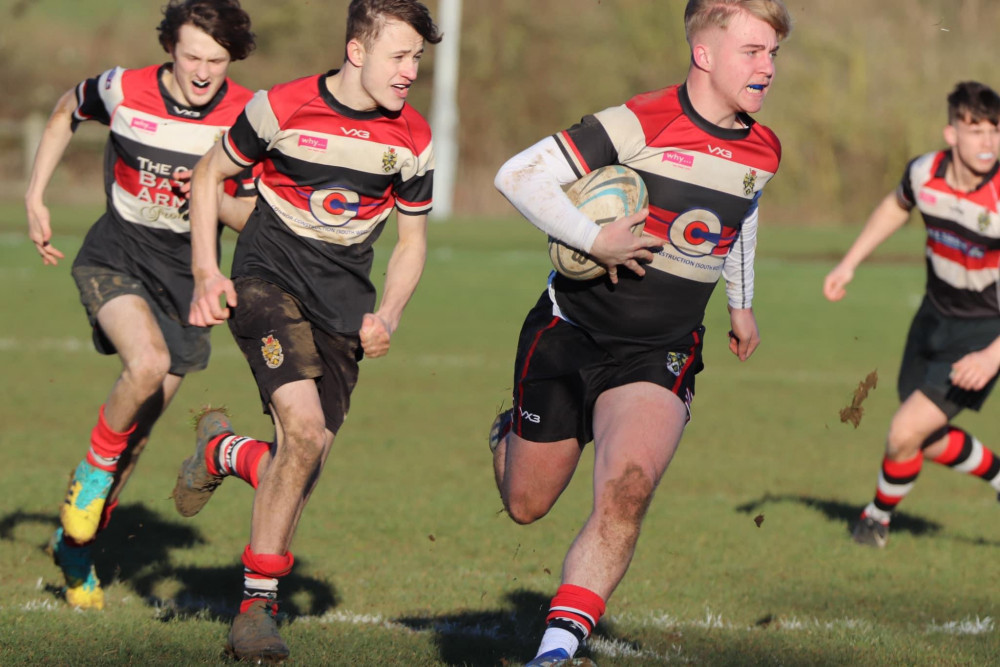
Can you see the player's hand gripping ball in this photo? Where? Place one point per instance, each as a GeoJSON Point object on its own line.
{"type": "Point", "coordinates": [604, 195]}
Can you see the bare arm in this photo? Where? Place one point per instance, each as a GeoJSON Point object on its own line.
{"type": "Point", "coordinates": [55, 138]}
{"type": "Point", "coordinates": [234, 211]}
{"type": "Point", "coordinates": [884, 221]}
{"type": "Point", "coordinates": [401, 278]}
{"type": "Point", "coordinates": [209, 283]}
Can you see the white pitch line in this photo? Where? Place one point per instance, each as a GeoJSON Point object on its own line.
{"type": "Point", "coordinates": [610, 647]}
{"type": "Point", "coordinates": [977, 626]}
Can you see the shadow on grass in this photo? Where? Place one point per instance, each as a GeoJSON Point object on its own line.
{"type": "Point", "coordinates": [135, 550]}
{"type": "Point", "coordinates": [838, 511]}
{"type": "Point", "coordinates": [494, 637]}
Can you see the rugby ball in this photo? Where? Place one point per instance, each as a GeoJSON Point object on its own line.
{"type": "Point", "coordinates": [604, 195]}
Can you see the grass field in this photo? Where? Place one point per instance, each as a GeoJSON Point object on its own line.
{"type": "Point", "coordinates": [403, 555]}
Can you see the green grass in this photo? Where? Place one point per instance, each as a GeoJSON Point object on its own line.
{"type": "Point", "coordinates": [403, 555]}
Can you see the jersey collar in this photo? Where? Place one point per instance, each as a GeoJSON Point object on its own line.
{"type": "Point", "coordinates": [178, 110]}
{"type": "Point", "coordinates": [731, 134]}
{"type": "Point", "coordinates": [345, 110]}
{"type": "Point", "coordinates": [946, 159]}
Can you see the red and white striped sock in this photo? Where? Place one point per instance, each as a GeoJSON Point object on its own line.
{"type": "Point", "coordinates": [260, 576]}
{"type": "Point", "coordinates": [573, 614]}
{"type": "Point", "coordinates": [965, 453]}
{"type": "Point", "coordinates": [895, 480]}
{"type": "Point", "coordinates": [236, 455]}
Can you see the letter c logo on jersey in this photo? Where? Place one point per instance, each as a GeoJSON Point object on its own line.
{"type": "Point", "coordinates": [696, 232]}
{"type": "Point", "coordinates": [334, 207]}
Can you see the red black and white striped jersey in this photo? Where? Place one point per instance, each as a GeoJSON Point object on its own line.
{"type": "Point", "coordinates": [703, 182]}
{"type": "Point", "coordinates": [963, 236]}
{"type": "Point", "coordinates": [331, 176]}
{"type": "Point", "coordinates": [146, 232]}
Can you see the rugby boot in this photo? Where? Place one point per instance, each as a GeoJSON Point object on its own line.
{"type": "Point", "coordinates": [80, 513]}
{"type": "Point", "coordinates": [500, 428]}
{"type": "Point", "coordinates": [83, 590]}
{"type": "Point", "coordinates": [195, 484]}
{"type": "Point", "coordinates": [560, 657]}
{"type": "Point", "coordinates": [254, 636]}
{"type": "Point", "coordinates": [870, 532]}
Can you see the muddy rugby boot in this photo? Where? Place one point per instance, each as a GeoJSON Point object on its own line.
{"type": "Point", "coordinates": [870, 532]}
{"type": "Point", "coordinates": [195, 484]}
{"type": "Point", "coordinates": [254, 636]}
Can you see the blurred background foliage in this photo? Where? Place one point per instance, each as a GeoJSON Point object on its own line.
{"type": "Point", "coordinates": [861, 85]}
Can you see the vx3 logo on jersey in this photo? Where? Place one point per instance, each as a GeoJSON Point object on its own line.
{"type": "Point", "coordinates": [353, 132]}
{"type": "Point", "coordinates": [189, 113]}
{"type": "Point", "coordinates": [720, 151]}
{"type": "Point", "coordinates": [530, 416]}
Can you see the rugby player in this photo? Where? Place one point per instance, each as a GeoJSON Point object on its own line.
{"type": "Point", "coordinates": [134, 268]}
{"type": "Point", "coordinates": [613, 359]}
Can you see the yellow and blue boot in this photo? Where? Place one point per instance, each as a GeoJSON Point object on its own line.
{"type": "Point", "coordinates": [83, 589]}
{"type": "Point", "coordinates": [88, 490]}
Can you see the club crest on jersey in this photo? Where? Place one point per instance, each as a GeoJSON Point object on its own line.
{"type": "Point", "coordinates": [389, 159]}
{"type": "Point", "coordinates": [675, 362]}
{"type": "Point", "coordinates": [750, 182]}
{"type": "Point", "coordinates": [984, 220]}
{"type": "Point", "coordinates": [272, 352]}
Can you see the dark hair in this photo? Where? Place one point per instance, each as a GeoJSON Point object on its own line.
{"type": "Point", "coordinates": [365, 19]}
{"type": "Point", "coordinates": [223, 20]}
{"type": "Point", "coordinates": [973, 102]}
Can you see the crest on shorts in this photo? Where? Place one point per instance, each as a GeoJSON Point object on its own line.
{"type": "Point", "coordinates": [389, 159]}
{"type": "Point", "coordinates": [984, 220]}
{"type": "Point", "coordinates": [271, 351]}
{"type": "Point", "coordinates": [675, 362]}
{"type": "Point", "coordinates": [750, 182]}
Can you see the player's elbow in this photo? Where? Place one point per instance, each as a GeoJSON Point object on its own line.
{"type": "Point", "coordinates": [505, 179]}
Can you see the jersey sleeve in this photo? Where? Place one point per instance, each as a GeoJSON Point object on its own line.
{"type": "Point", "coordinates": [611, 136]}
{"type": "Point", "coordinates": [738, 269]}
{"type": "Point", "coordinates": [97, 97]}
{"type": "Point", "coordinates": [414, 184]}
{"type": "Point", "coordinates": [244, 184]}
{"type": "Point", "coordinates": [905, 196]}
{"type": "Point", "coordinates": [586, 146]}
{"type": "Point", "coordinates": [247, 140]}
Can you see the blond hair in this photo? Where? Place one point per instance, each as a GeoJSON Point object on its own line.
{"type": "Point", "coordinates": [701, 14]}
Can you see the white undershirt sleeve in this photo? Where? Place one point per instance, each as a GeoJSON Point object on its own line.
{"type": "Point", "coordinates": [738, 267]}
{"type": "Point", "coordinates": [533, 182]}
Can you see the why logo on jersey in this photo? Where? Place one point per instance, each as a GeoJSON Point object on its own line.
{"type": "Point", "coordinates": [750, 182]}
{"type": "Point", "coordinates": [144, 125]}
{"type": "Point", "coordinates": [389, 159]}
{"type": "Point", "coordinates": [272, 352]}
{"type": "Point", "coordinates": [675, 362]}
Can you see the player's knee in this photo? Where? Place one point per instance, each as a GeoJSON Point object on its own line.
{"type": "Point", "coordinates": [523, 509]}
{"type": "Point", "coordinates": [626, 498]}
{"type": "Point", "coordinates": [305, 442]}
{"type": "Point", "coordinates": [148, 371]}
{"type": "Point", "coordinates": [902, 441]}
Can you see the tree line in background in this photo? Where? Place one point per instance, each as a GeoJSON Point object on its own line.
{"type": "Point", "coordinates": [860, 86]}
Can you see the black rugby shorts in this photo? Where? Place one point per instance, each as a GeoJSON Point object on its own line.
{"type": "Point", "coordinates": [933, 344]}
{"type": "Point", "coordinates": [189, 346]}
{"type": "Point", "coordinates": [282, 346]}
{"type": "Point", "coordinates": [560, 371]}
